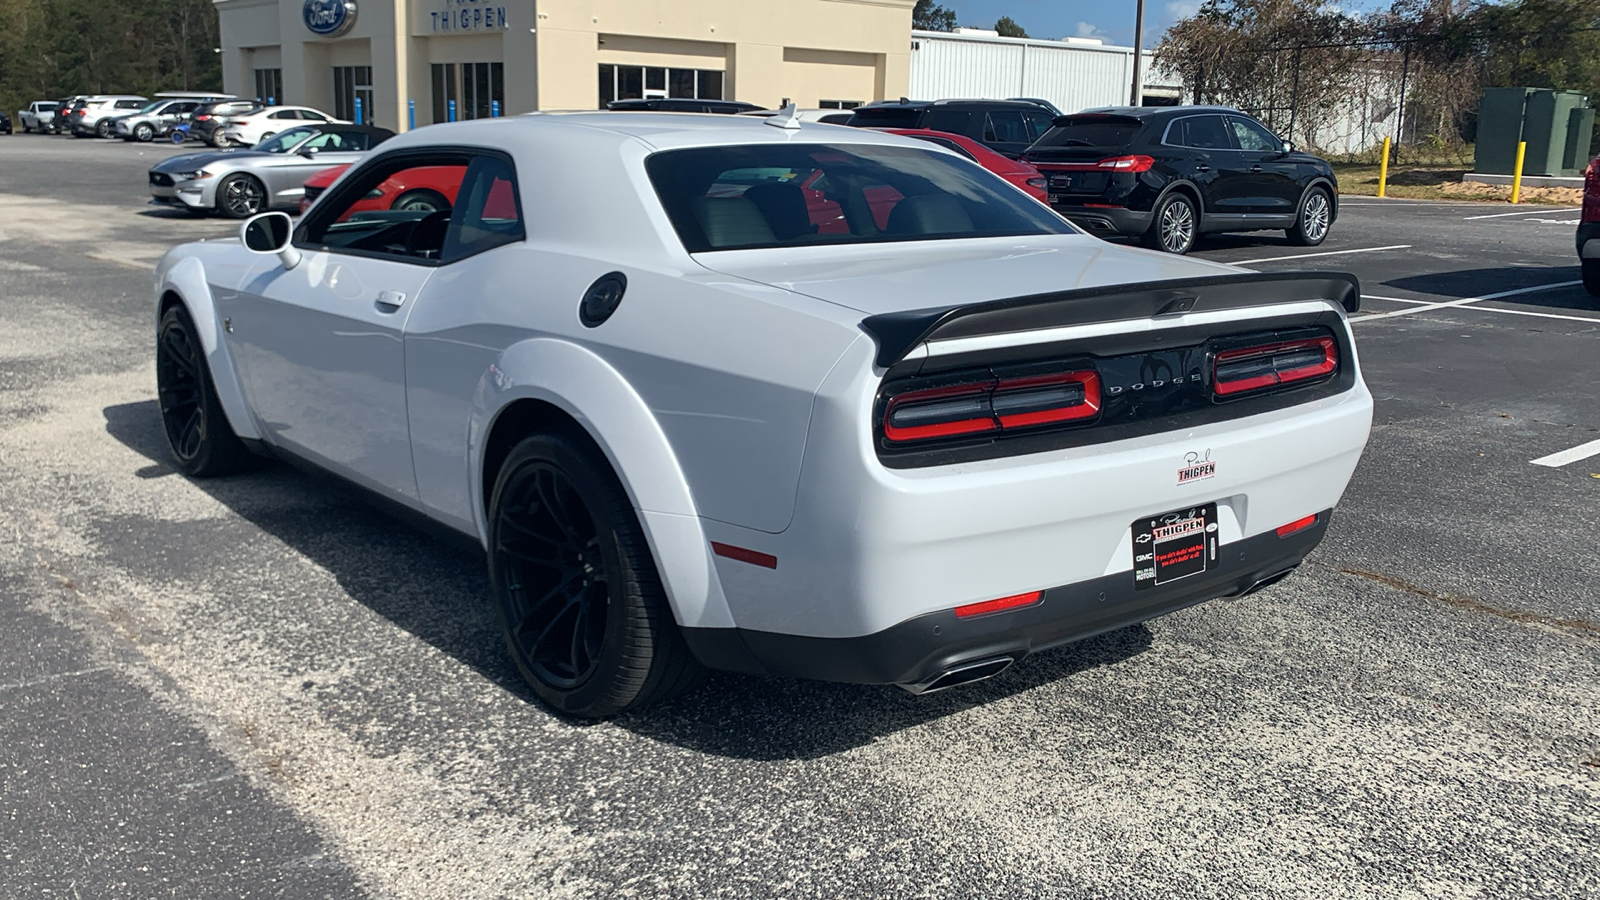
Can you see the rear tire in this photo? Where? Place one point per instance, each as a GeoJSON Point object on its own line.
{"type": "Point", "coordinates": [102, 129]}
{"type": "Point", "coordinates": [574, 585]}
{"type": "Point", "coordinates": [203, 443]}
{"type": "Point", "coordinates": [1591, 276]}
{"type": "Point", "coordinates": [1315, 220]}
{"type": "Point", "coordinates": [1175, 225]}
{"type": "Point", "coordinates": [220, 140]}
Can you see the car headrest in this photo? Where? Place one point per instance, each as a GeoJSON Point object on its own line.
{"type": "Point", "coordinates": [929, 214]}
{"type": "Point", "coordinates": [732, 222]}
{"type": "Point", "coordinates": [784, 206]}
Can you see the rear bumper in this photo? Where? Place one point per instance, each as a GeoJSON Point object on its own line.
{"type": "Point", "coordinates": [1106, 221]}
{"type": "Point", "coordinates": [917, 650]}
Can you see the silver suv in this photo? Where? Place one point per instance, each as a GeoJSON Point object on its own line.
{"type": "Point", "coordinates": [92, 115]}
{"type": "Point", "coordinates": [159, 117]}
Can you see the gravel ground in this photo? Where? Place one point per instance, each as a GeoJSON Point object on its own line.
{"type": "Point", "coordinates": [258, 686]}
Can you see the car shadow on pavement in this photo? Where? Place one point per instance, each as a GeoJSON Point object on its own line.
{"type": "Point", "coordinates": [1477, 282]}
{"type": "Point", "coordinates": [437, 591]}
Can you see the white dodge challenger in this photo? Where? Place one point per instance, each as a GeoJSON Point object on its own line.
{"type": "Point", "coordinates": [769, 397]}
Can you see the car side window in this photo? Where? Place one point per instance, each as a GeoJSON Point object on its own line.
{"type": "Point", "coordinates": [1007, 127]}
{"type": "Point", "coordinates": [1204, 133]}
{"type": "Point", "coordinates": [397, 208]}
{"type": "Point", "coordinates": [951, 120]}
{"type": "Point", "coordinates": [487, 213]}
{"type": "Point", "coordinates": [1038, 123]}
{"type": "Point", "coordinates": [129, 104]}
{"type": "Point", "coordinates": [311, 116]}
{"type": "Point", "coordinates": [283, 114]}
{"type": "Point", "coordinates": [1252, 136]}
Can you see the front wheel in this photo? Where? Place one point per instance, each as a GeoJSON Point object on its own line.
{"type": "Point", "coordinates": [1316, 218]}
{"type": "Point", "coordinates": [202, 441]}
{"type": "Point", "coordinates": [241, 196]}
{"type": "Point", "coordinates": [574, 585]}
{"type": "Point", "coordinates": [1174, 226]}
{"type": "Point", "coordinates": [143, 133]}
{"type": "Point", "coordinates": [1591, 276]}
{"type": "Point", "coordinates": [421, 200]}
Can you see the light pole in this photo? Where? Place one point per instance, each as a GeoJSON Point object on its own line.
{"type": "Point", "coordinates": [1136, 94]}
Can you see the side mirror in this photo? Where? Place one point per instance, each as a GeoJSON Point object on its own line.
{"type": "Point", "coordinates": [270, 233]}
{"type": "Point", "coordinates": [1288, 146]}
{"type": "Point", "coordinates": [309, 153]}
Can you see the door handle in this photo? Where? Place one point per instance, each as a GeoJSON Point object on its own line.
{"type": "Point", "coordinates": [1255, 168]}
{"type": "Point", "coordinates": [389, 301]}
{"type": "Point", "coordinates": [1203, 168]}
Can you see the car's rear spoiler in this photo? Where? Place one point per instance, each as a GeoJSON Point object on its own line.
{"type": "Point", "coordinates": [898, 333]}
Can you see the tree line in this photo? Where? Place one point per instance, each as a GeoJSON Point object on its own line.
{"type": "Point", "coordinates": [1304, 59]}
{"type": "Point", "coordinates": [53, 48]}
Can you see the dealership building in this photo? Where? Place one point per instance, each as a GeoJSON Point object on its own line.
{"type": "Point", "coordinates": [401, 59]}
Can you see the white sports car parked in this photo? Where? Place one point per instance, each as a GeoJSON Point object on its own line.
{"type": "Point", "coordinates": [799, 400]}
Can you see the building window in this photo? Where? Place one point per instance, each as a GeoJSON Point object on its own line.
{"type": "Point", "coordinates": [637, 82]}
{"type": "Point", "coordinates": [839, 104]}
{"type": "Point", "coordinates": [475, 88]}
{"type": "Point", "coordinates": [269, 86]}
{"type": "Point", "coordinates": [349, 84]}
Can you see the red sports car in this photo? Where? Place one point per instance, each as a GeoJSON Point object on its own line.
{"type": "Point", "coordinates": [423, 189]}
{"type": "Point", "coordinates": [1018, 173]}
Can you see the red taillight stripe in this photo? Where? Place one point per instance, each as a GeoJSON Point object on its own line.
{"type": "Point", "coordinates": [753, 557]}
{"type": "Point", "coordinates": [1265, 356]}
{"type": "Point", "coordinates": [1016, 601]}
{"type": "Point", "coordinates": [987, 406]}
{"type": "Point", "coordinates": [1296, 525]}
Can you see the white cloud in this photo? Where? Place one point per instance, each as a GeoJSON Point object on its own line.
{"type": "Point", "coordinates": [1181, 9]}
{"type": "Point", "coordinates": [1089, 30]}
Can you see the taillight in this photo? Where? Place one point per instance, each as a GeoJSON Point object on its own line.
{"type": "Point", "coordinates": [1127, 163]}
{"type": "Point", "coordinates": [241, 121]}
{"type": "Point", "coordinates": [1268, 365]}
{"type": "Point", "coordinates": [202, 118]}
{"type": "Point", "coordinates": [992, 405]}
{"type": "Point", "coordinates": [1591, 193]}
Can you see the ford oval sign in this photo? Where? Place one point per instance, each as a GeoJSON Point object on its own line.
{"type": "Point", "coordinates": [330, 18]}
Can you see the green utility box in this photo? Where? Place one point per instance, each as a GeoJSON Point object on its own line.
{"type": "Point", "coordinates": [1557, 126]}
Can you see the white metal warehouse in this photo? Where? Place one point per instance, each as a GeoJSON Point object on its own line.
{"type": "Point", "coordinates": [1073, 74]}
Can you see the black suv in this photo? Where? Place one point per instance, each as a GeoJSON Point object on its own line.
{"type": "Point", "coordinates": [206, 123]}
{"type": "Point", "coordinates": [1005, 126]}
{"type": "Point", "coordinates": [1169, 174]}
{"type": "Point", "coordinates": [682, 104]}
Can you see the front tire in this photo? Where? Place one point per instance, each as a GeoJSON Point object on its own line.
{"type": "Point", "coordinates": [421, 200]}
{"type": "Point", "coordinates": [1174, 226]}
{"type": "Point", "coordinates": [143, 133]}
{"type": "Point", "coordinates": [574, 585]}
{"type": "Point", "coordinates": [203, 443]}
{"type": "Point", "coordinates": [1591, 276]}
{"type": "Point", "coordinates": [1315, 221]}
{"type": "Point", "coordinates": [241, 196]}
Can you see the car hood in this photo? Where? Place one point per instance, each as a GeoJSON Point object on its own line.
{"type": "Point", "coordinates": [883, 278]}
{"type": "Point", "coordinates": [188, 162]}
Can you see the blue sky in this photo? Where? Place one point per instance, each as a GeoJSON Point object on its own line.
{"type": "Point", "coordinates": [1111, 20]}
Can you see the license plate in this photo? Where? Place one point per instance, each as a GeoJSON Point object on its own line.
{"type": "Point", "coordinates": [1174, 545]}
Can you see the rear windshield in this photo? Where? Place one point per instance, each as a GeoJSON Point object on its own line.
{"type": "Point", "coordinates": [786, 195]}
{"type": "Point", "coordinates": [1109, 132]}
{"type": "Point", "coordinates": [886, 117]}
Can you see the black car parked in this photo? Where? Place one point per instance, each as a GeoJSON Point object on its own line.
{"type": "Point", "coordinates": [1005, 126]}
{"type": "Point", "coordinates": [5, 123]}
{"type": "Point", "coordinates": [1169, 174]}
{"type": "Point", "coordinates": [206, 122]}
{"type": "Point", "coordinates": [681, 104]}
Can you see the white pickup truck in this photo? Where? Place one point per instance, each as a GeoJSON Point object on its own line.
{"type": "Point", "coordinates": [38, 117]}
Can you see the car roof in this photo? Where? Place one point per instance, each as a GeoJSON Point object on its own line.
{"type": "Point", "coordinates": [904, 103]}
{"type": "Point", "coordinates": [100, 97]}
{"type": "Point", "coordinates": [1151, 112]}
{"type": "Point", "coordinates": [657, 130]}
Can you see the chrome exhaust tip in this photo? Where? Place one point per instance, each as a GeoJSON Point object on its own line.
{"type": "Point", "coordinates": [966, 673]}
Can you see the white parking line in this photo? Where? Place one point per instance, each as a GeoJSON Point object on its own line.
{"type": "Point", "coordinates": [1525, 212]}
{"type": "Point", "coordinates": [1557, 460]}
{"type": "Point", "coordinates": [1466, 300]}
{"type": "Point", "coordinates": [1395, 299]}
{"type": "Point", "coordinates": [1251, 262]}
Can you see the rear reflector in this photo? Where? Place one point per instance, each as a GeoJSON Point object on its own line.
{"type": "Point", "coordinates": [1269, 365]}
{"type": "Point", "coordinates": [1296, 525]}
{"type": "Point", "coordinates": [990, 406]}
{"type": "Point", "coordinates": [1004, 603]}
{"type": "Point", "coordinates": [753, 557]}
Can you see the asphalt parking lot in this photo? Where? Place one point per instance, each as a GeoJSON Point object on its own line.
{"type": "Point", "coordinates": [261, 687]}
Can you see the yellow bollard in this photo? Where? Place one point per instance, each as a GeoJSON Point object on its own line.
{"type": "Point", "coordinates": [1516, 177]}
{"type": "Point", "coordinates": [1383, 170]}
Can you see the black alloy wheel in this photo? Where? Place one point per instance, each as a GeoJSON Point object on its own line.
{"type": "Point", "coordinates": [1316, 218]}
{"type": "Point", "coordinates": [575, 588]}
{"type": "Point", "coordinates": [241, 196]}
{"type": "Point", "coordinates": [1174, 225]}
{"type": "Point", "coordinates": [202, 441]}
{"type": "Point", "coordinates": [102, 128]}
{"type": "Point", "coordinates": [421, 200]}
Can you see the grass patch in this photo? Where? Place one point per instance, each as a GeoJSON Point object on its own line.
{"type": "Point", "coordinates": [1441, 183]}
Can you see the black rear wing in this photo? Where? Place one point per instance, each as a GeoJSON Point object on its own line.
{"type": "Point", "coordinates": [898, 333]}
